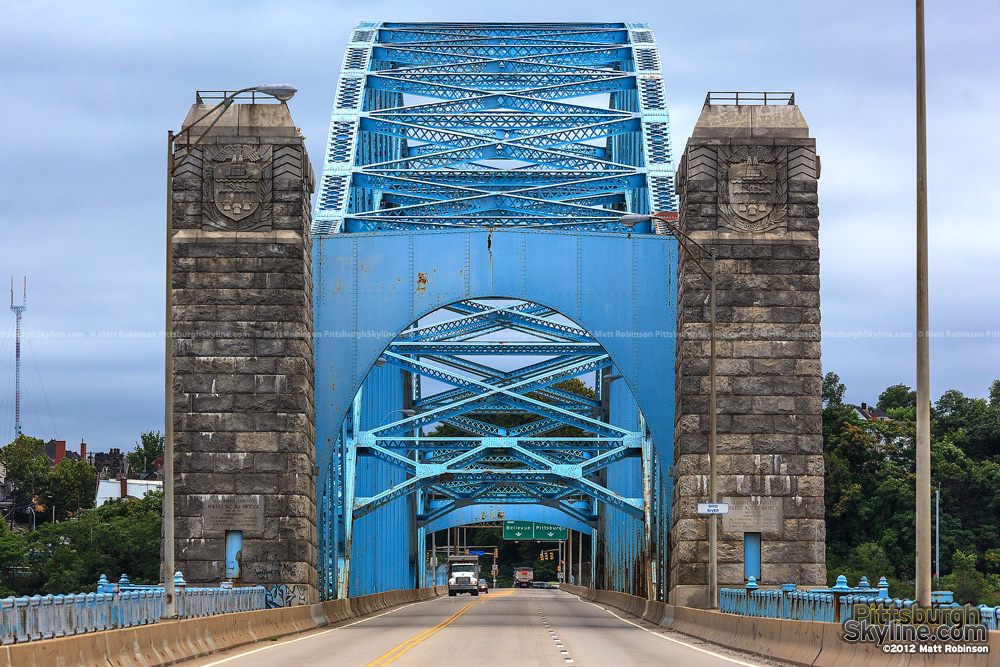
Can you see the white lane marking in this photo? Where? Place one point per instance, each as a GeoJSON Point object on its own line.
{"type": "Point", "coordinates": [662, 636]}
{"type": "Point", "coordinates": [318, 634]}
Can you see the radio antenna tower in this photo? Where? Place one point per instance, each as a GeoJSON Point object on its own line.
{"type": "Point", "coordinates": [18, 310]}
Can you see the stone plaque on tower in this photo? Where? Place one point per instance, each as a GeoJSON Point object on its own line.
{"type": "Point", "coordinates": [747, 187]}
{"type": "Point", "coordinates": [243, 403]}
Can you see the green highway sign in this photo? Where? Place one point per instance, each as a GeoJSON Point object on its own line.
{"type": "Point", "coordinates": [546, 531]}
{"type": "Point", "coordinates": [529, 530]}
{"type": "Point", "coordinates": [518, 530]}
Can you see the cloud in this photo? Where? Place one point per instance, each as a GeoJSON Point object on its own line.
{"type": "Point", "coordinates": [91, 89]}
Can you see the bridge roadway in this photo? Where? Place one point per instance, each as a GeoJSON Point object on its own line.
{"type": "Point", "coordinates": [507, 628]}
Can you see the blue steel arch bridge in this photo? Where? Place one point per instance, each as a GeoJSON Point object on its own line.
{"type": "Point", "coordinates": [492, 342]}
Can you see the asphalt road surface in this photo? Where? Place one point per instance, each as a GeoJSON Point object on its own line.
{"type": "Point", "coordinates": [520, 628]}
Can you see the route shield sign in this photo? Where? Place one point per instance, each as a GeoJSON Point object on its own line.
{"type": "Point", "coordinates": [546, 531]}
{"type": "Point", "coordinates": [518, 530]}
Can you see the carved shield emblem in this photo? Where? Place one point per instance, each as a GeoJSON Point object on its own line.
{"type": "Point", "coordinates": [752, 189]}
{"type": "Point", "coordinates": [237, 189]}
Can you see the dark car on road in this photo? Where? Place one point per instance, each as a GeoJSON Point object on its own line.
{"type": "Point", "coordinates": [483, 586]}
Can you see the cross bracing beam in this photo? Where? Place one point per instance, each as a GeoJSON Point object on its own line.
{"type": "Point", "coordinates": [500, 66]}
{"type": "Point", "coordinates": [402, 34]}
{"type": "Point", "coordinates": [468, 323]}
{"type": "Point", "coordinates": [494, 202]}
{"type": "Point", "coordinates": [538, 378]}
{"type": "Point", "coordinates": [366, 505]}
{"type": "Point", "coordinates": [507, 103]}
{"type": "Point", "coordinates": [485, 393]}
{"type": "Point", "coordinates": [500, 150]}
{"type": "Point", "coordinates": [574, 55]}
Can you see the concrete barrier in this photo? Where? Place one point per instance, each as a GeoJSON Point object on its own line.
{"type": "Point", "coordinates": [808, 643]}
{"type": "Point", "coordinates": [168, 642]}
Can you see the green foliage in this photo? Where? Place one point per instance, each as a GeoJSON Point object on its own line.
{"type": "Point", "coordinates": [897, 396]}
{"type": "Point", "coordinates": [121, 536]}
{"type": "Point", "coordinates": [147, 450]}
{"type": "Point", "coordinates": [908, 414]}
{"type": "Point", "coordinates": [24, 458]}
{"type": "Point", "coordinates": [870, 492]}
{"type": "Point", "coordinates": [833, 390]}
{"type": "Point", "coordinates": [13, 547]}
{"type": "Point", "coordinates": [69, 486]}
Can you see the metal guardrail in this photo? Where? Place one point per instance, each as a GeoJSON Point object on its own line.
{"type": "Point", "coordinates": [115, 606]}
{"type": "Point", "coordinates": [253, 96]}
{"type": "Point", "coordinates": [749, 98]}
{"type": "Point", "coordinates": [834, 604]}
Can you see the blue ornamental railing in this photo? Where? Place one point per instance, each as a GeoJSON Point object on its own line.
{"type": "Point", "coordinates": [835, 604]}
{"type": "Point", "coordinates": [114, 606]}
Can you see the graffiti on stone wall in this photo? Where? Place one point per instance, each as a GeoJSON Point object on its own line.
{"type": "Point", "coordinates": [265, 566]}
{"type": "Point", "coordinates": [284, 596]}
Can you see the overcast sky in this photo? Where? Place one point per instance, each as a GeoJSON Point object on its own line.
{"type": "Point", "coordinates": [92, 88]}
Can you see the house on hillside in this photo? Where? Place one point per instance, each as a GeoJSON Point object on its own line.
{"type": "Point", "coordinates": [109, 489]}
{"type": "Point", "coordinates": [865, 411]}
{"type": "Point", "coordinates": [56, 451]}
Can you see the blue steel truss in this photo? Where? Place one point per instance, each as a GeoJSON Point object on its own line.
{"type": "Point", "coordinates": [498, 399]}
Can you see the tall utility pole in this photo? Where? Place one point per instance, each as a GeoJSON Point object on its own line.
{"type": "Point", "coordinates": [923, 564]}
{"type": "Point", "coordinates": [18, 310]}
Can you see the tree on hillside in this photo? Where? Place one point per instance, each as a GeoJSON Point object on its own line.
{"type": "Point", "coordinates": [833, 390]}
{"type": "Point", "coordinates": [24, 456]}
{"type": "Point", "coordinates": [897, 396]}
{"type": "Point", "coordinates": [121, 536]}
{"type": "Point", "coordinates": [13, 547]}
{"type": "Point", "coordinates": [870, 492]}
{"type": "Point", "coordinates": [69, 487]}
{"type": "Point", "coordinates": [147, 450]}
{"type": "Point", "coordinates": [26, 465]}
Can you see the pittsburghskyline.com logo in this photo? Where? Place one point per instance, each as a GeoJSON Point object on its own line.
{"type": "Point", "coordinates": [950, 630]}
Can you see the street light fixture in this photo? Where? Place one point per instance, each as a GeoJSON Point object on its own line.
{"type": "Point", "coordinates": [281, 92]}
{"type": "Point", "coordinates": [406, 413]}
{"type": "Point", "coordinates": [686, 242]}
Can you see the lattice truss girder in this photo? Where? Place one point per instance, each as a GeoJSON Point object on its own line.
{"type": "Point", "coordinates": [521, 463]}
{"type": "Point", "coordinates": [495, 125]}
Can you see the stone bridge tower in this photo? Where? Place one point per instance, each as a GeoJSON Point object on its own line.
{"type": "Point", "coordinates": [747, 186]}
{"type": "Point", "coordinates": [243, 400]}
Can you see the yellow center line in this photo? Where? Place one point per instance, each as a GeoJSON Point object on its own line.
{"type": "Point", "coordinates": [410, 643]}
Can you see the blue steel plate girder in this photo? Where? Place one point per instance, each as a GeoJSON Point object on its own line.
{"type": "Point", "coordinates": [507, 146]}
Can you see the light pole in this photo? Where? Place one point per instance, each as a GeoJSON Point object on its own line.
{"type": "Point", "coordinates": [923, 559]}
{"type": "Point", "coordinates": [281, 92]}
{"type": "Point", "coordinates": [686, 242]}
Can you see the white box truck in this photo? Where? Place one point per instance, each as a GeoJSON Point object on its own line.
{"type": "Point", "coordinates": [463, 575]}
